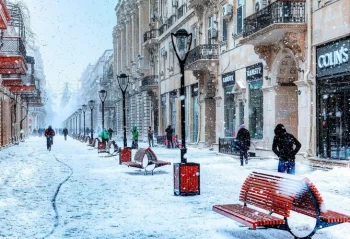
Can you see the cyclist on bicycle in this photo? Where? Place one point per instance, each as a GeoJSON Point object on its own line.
{"type": "Point", "coordinates": [49, 133]}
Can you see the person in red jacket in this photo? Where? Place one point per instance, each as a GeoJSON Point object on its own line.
{"type": "Point", "coordinates": [49, 133]}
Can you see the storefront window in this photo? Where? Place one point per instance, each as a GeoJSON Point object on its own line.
{"type": "Point", "coordinates": [256, 109]}
{"type": "Point", "coordinates": [195, 115]}
{"type": "Point", "coordinates": [333, 109]}
{"type": "Point", "coordinates": [230, 112]}
{"type": "Point", "coordinates": [173, 96]}
{"type": "Point", "coordinates": [164, 114]}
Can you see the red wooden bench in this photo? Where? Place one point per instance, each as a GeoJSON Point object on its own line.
{"type": "Point", "coordinates": [147, 160]}
{"type": "Point", "coordinates": [111, 147]}
{"type": "Point", "coordinates": [279, 194]}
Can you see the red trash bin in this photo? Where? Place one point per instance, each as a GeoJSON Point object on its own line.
{"type": "Point", "coordinates": [186, 179]}
{"type": "Point", "coordinates": [125, 155]}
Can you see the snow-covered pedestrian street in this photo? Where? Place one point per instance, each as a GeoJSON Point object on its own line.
{"type": "Point", "coordinates": [72, 192]}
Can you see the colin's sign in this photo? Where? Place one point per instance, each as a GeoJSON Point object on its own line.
{"type": "Point", "coordinates": [333, 58]}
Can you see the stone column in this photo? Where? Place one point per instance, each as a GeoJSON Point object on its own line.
{"type": "Point", "coordinates": [132, 40]}
{"type": "Point", "coordinates": [115, 53]}
{"type": "Point", "coordinates": [303, 114]}
{"type": "Point", "coordinates": [126, 44]}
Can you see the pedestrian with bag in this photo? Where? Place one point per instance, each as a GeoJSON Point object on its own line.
{"type": "Point", "coordinates": [243, 143]}
{"type": "Point", "coordinates": [150, 136]}
{"type": "Point", "coordinates": [135, 138]}
{"type": "Point", "coordinates": [104, 135]}
{"type": "Point", "coordinates": [169, 135]}
{"type": "Point", "coordinates": [285, 146]}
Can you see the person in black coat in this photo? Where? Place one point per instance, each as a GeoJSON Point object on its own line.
{"type": "Point", "coordinates": [285, 146]}
{"type": "Point", "coordinates": [169, 135]}
{"type": "Point", "coordinates": [243, 143]}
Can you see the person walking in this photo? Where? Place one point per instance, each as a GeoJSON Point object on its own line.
{"type": "Point", "coordinates": [104, 135]}
{"type": "Point", "coordinates": [65, 133]}
{"type": "Point", "coordinates": [135, 138]}
{"type": "Point", "coordinates": [150, 136]}
{"type": "Point", "coordinates": [285, 146]}
{"type": "Point", "coordinates": [110, 132]}
{"type": "Point", "coordinates": [169, 135]}
{"type": "Point", "coordinates": [49, 134]}
{"type": "Point", "coordinates": [243, 143]}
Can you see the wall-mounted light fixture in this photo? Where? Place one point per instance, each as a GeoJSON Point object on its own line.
{"type": "Point", "coordinates": [267, 78]}
{"type": "Point", "coordinates": [300, 70]}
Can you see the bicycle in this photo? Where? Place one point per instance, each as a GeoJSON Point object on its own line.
{"type": "Point", "coordinates": [49, 142]}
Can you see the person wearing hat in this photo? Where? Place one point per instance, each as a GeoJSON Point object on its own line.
{"type": "Point", "coordinates": [285, 146]}
{"type": "Point", "coordinates": [243, 143]}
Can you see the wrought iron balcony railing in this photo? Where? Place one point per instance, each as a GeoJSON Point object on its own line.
{"type": "Point", "coordinates": [149, 81]}
{"type": "Point", "coordinates": [181, 11]}
{"type": "Point", "coordinates": [162, 29]}
{"type": "Point", "coordinates": [153, 33]}
{"type": "Point", "coordinates": [281, 11]}
{"type": "Point", "coordinates": [4, 15]}
{"type": "Point", "coordinates": [203, 52]}
{"type": "Point", "coordinates": [171, 20]}
{"type": "Point", "coordinates": [12, 46]}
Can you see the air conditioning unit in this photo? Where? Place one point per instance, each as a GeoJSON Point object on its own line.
{"type": "Point", "coordinates": [163, 52]}
{"type": "Point", "coordinates": [214, 32]}
{"type": "Point", "coordinates": [227, 11]}
{"type": "Point", "coordinates": [175, 3]}
{"type": "Point", "coordinates": [260, 4]}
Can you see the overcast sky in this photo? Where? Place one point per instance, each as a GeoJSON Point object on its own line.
{"type": "Point", "coordinates": [71, 34]}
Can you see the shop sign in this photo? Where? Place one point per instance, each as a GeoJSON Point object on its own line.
{"type": "Point", "coordinates": [333, 58]}
{"type": "Point", "coordinates": [228, 79]}
{"type": "Point", "coordinates": [254, 72]}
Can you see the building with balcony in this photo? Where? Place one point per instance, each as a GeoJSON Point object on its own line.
{"type": "Point", "coordinates": [19, 86]}
{"type": "Point", "coordinates": [257, 63]}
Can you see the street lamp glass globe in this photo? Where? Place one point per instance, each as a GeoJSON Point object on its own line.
{"type": "Point", "coordinates": [103, 95]}
{"type": "Point", "coordinates": [91, 104]}
{"type": "Point", "coordinates": [181, 41]}
{"type": "Point", "coordinates": [84, 107]}
{"type": "Point", "coordinates": [123, 81]}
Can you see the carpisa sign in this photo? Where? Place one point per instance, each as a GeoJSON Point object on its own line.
{"type": "Point", "coordinates": [228, 79]}
{"type": "Point", "coordinates": [333, 58]}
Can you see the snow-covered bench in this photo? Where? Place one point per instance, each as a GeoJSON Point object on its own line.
{"type": "Point", "coordinates": [278, 193]}
{"type": "Point", "coordinates": [147, 160]}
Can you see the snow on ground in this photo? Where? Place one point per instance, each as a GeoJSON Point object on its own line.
{"type": "Point", "coordinates": [72, 192]}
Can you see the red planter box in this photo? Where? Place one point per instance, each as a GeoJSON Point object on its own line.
{"type": "Point", "coordinates": [186, 179]}
{"type": "Point", "coordinates": [125, 155]}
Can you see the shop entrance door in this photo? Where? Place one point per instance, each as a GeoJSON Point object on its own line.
{"type": "Point", "coordinates": [334, 125]}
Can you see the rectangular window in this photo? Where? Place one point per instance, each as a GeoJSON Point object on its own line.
{"type": "Point", "coordinates": [240, 16]}
{"type": "Point", "coordinates": [210, 25]}
{"type": "Point", "coordinates": [194, 37]}
{"type": "Point", "coordinates": [224, 30]}
{"type": "Point", "coordinates": [230, 112]}
{"type": "Point", "coordinates": [256, 109]}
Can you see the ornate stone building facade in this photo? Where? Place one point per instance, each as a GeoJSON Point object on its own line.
{"type": "Point", "coordinates": [251, 62]}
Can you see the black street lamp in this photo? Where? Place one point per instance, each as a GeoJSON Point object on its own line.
{"type": "Point", "coordinates": [79, 112]}
{"type": "Point", "coordinates": [186, 175]}
{"type": "Point", "coordinates": [84, 107]}
{"type": "Point", "coordinates": [103, 96]}
{"type": "Point", "coordinates": [91, 106]}
{"type": "Point", "coordinates": [182, 47]}
{"type": "Point", "coordinates": [123, 81]}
